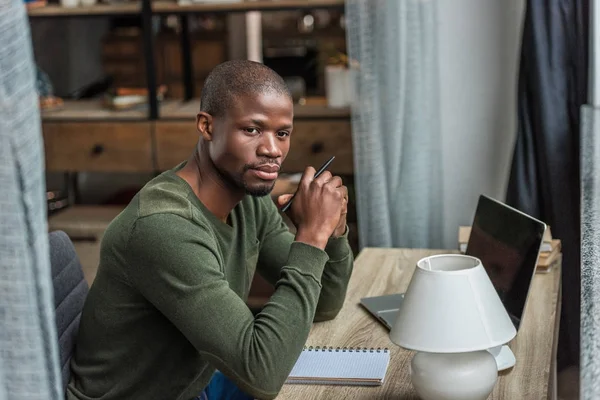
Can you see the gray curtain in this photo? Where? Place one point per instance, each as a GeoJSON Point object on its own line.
{"type": "Point", "coordinates": [544, 180]}
{"type": "Point", "coordinates": [28, 345]}
{"type": "Point", "coordinates": [395, 122]}
{"type": "Point", "coordinates": [590, 253]}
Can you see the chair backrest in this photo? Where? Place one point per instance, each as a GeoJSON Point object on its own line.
{"type": "Point", "coordinates": [70, 291]}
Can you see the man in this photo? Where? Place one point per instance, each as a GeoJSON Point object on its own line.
{"type": "Point", "coordinates": [167, 306]}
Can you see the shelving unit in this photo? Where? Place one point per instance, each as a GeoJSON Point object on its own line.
{"type": "Point", "coordinates": [85, 136]}
{"type": "Point", "coordinates": [57, 11]}
{"type": "Point", "coordinates": [314, 108]}
{"type": "Point", "coordinates": [148, 8]}
{"type": "Point", "coordinates": [172, 7]}
{"type": "Point", "coordinates": [93, 111]}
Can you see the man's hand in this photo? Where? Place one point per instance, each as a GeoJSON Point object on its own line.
{"type": "Point", "coordinates": [341, 226]}
{"type": "Point", "coordinates": [319, 207]}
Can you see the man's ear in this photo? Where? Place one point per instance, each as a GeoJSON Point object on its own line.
{"type": "Point", "coordinates": [204, 124]}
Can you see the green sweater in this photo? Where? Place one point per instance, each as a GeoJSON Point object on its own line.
{"type": "Point", "coordinates": [167, 306]}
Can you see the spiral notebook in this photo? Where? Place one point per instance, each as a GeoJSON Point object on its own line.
{"type": "Point", "coordinates": [340, 366]}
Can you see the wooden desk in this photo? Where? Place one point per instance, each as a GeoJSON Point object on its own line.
{"type": "Point", "coordinates": [387, 271]}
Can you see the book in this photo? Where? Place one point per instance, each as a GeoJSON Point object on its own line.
{"type": "Point", "coordinates": [547, 260]}
{"type": "Point", "coordinates": [125, 98]}
{"type": "Point", "coordinates": [463, 235]}
{"type": "Point", "coordinates": [556, 247]}
{"type": "Point", "coordinates": [340, 366]}
{"type": "Point", "coordinates": [551, 264]}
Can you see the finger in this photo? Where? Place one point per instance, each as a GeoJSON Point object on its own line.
{"type": "Point", "coordinates": [344, 190]}
{"type": "Point", "coordinates": [344, 206]}
{"type": "Point", "coordinates": [284, 198]}
{"type": "Point", "coordinates": [323, 178]}
{"type": "Point", "coordinates": [335, 182]}
{"type": "Point", "coordinates": [307, 176]}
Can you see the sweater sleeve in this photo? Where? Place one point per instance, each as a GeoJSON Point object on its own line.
{"type": "Point", "coordinates": [176, 265]}
{"type": "Point", "coordinates": [276, 243]}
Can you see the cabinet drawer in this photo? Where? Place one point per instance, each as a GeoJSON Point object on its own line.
{"type": "Point", "coordinates": [98, 146]}
{"type": "Point", "coordinates": [175, 142]}
{"type": "Point", "coordinates": [313, 142]}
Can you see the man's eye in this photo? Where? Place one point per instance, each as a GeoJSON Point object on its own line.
{"type": "Point", "coordinates": [283, 134]}
{"type": "Point", "coordinates": [252, 131]}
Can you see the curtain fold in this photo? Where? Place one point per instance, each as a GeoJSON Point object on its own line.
{"type": "Point", "coordinates": [395, 122]}
{"type": "Point", "coordinates": [590, 253]}
{"type": "Point", "coordinates": [545, 180]}
{"type": "Point", "coordinates": [28, 344]}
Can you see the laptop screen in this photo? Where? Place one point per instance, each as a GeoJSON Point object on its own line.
{"type": "Point", "coordinates": [507, 242]}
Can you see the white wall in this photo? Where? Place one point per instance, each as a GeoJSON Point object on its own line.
{"type": "Point", "coordinates": [479, 48]}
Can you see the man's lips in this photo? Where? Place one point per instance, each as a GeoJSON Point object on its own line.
{"type": "Point", "coordinates": [268, 168]}
{"type": "Point", "coordinates": [268, 172]}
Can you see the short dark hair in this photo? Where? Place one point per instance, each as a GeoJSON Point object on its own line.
{"type": "Point", "coordinates": [233, 78]}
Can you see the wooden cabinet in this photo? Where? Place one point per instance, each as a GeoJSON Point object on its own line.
{"type": "Point", "coordinates": [156, 146]}
{"type": "Point", "coordinates": [313, 142]}
{"type": "Point", "coordinates": [85, 136]}
{"type": "Point", "coordinates": [175, 142]}
{"type": "Point", "coordinates": [98, 146]}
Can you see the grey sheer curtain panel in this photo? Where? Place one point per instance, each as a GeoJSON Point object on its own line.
{"type": "Point", "coordinates": [590, 218]}
{"type": "Point", "coordinates": [590, 253]}
{"type": "Point", "coordinates": [395, 122]}
{"type": "Point", "coordinates": [28, 346]}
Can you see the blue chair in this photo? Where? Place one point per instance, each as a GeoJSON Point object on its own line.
{"type": "Point", "coordinates": [70, 291]}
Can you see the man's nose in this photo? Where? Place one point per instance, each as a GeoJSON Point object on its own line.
{"type": "Point", "coordinates": [270, 146]}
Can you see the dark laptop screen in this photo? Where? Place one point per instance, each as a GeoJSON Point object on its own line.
{"type": "Point", "coordinates": [507, 242]}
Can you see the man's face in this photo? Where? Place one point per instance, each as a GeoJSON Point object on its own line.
{"type": "Point", "coordinates": [251, 140]}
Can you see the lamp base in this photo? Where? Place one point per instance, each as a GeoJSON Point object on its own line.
{"type": "Point", "coordinates": [504, 356]}
{"type": "Point", "coordinates": [454, 376]}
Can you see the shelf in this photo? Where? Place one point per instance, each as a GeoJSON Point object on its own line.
{"type": "Point", "coordinates": [92, 110]}
{"type": "Point", "coordinates": [165, 7]}
{"type": "Point", "coordinates": [314, 108]}
{"type": "Point", "coordinates": [55, 10]}
{"type": "Point", "coordinates": [172, 7]}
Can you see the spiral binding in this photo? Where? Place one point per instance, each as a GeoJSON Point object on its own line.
{"type": "Point", "coordinates": [347, 349]}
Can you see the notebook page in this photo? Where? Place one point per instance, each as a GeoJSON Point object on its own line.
{"type": "Point", "coordinates": [341, 366]}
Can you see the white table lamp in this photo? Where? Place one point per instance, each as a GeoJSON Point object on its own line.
{"type": "Point", "coordinates": [451, 315]}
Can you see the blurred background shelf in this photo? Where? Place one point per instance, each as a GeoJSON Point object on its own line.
{"type": "Point", "coordinates": [165, 7]}
{"type": "Point", "coordinates": [315, 107]}
{"type": "Point", "coordinates": [100, 9]}
{"type": "Point", "coordinates": [92, 110]}
{"type": "Point", "coordinates": [173, 7]}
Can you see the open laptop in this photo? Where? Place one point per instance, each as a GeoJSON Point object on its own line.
{"type": "Point", "coordinates": [507, 242]}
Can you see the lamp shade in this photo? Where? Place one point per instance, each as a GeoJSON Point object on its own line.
{"type": "Point", "coordinates": [451, 306]}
